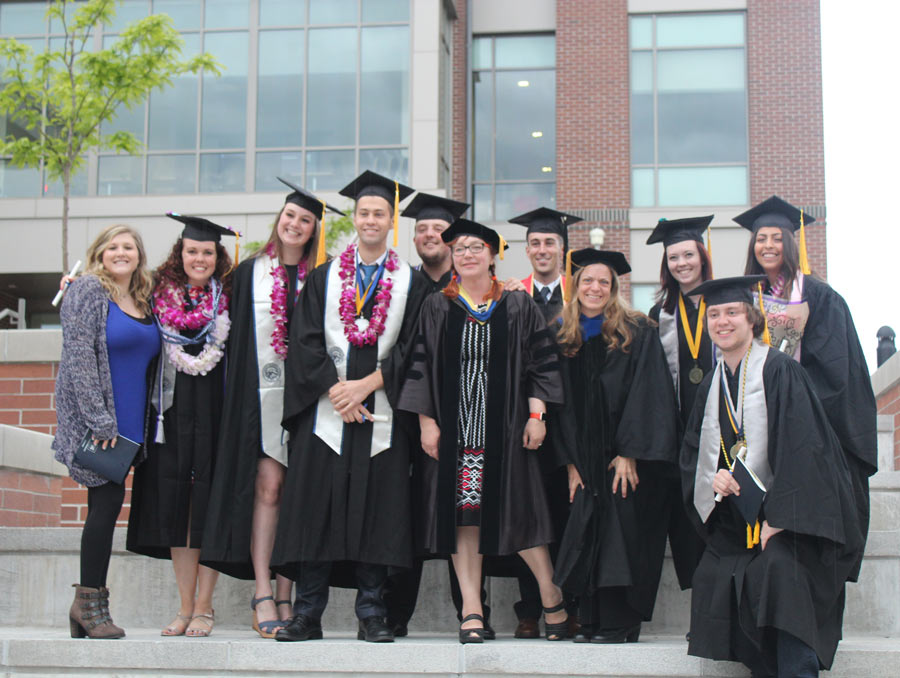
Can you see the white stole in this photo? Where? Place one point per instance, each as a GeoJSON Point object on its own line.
{"type": "Point", "coordinates": [329, 426]}
{"type": "Point", "coordinates": [273, 438]}
{"type": "Point", "coordinates": [755, 422]}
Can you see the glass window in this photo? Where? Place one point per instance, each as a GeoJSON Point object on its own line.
{"type": "Point", "coordinates": [329, 170]}
{"type": "Point", "coordinates": [688, 107]}
{"type": "Point", "coordinates": [126, 12]}
{"type": "Point", "coordinates": [19, 182]}
{"type": "Point", "coordinates": [120, 175]}
{"type": "Point", "coordinates": [391, 162]}
{"type": "Point", "coordinates": [385, 10]}
{"type": "Point", "coordinates": [282, 12]}
{"type": "Point", "coordinates": [224, 107]}
{"type": "Point", "coordinates": [173, 110]}
{"type": "Point", "coordinates": [270, 166]}
{"type": "Point", "coordinates": [279, 99]}
{"type": "Point", "coordinates": [185, 13]}
{"type": "Point", "coordinates": [514, 125]}
{"type": "Point", "coordinates": [482, 51]}
{"type": "Point", "coordinates": [226, 14]}
{"type": "Point", "coordinates": [384, 86]}
{"type": "Point", "coordinates": [22, 18]}
{"type": "Point", "coordinates": [331, 111]}
{"type": "Point", "coordinates": [221, 172]}
{"type": "Point", "coordinates": [171, 174]}
{"type": "Point", "coordinates": [78, 183]}
{"type": "Point", "coordinates": [333, 11]}
{"type": "Point", "coordinates": [642, 296]}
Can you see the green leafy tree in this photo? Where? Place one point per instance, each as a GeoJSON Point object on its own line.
{"type": "Point", "coordinates": [63, 95]}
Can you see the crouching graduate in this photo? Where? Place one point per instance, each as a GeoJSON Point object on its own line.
{"type": "Point", "coordinates": [767, 484]}
{"type": "Point", "coordinates": [345, 516]}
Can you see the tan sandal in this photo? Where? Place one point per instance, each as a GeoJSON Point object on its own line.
{"type": "Point", "coordinates": [178, 626]}
{"type": "Point", "coordinates": [208, 620]}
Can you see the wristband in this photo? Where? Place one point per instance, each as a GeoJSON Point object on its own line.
{"type": "Point", "coordinates": [540, 416]}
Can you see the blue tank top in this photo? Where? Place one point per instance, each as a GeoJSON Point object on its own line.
{"type": "Point", "coordinates": [131, 344]}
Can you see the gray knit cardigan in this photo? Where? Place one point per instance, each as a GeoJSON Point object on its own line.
{"type": "Point", "coordinates": [84, 393]}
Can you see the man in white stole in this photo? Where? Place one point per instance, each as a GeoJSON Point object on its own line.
{"type": "Point", "coordinates": [345, 517]}
{"type": "Point", "coordinates": [770, 594]}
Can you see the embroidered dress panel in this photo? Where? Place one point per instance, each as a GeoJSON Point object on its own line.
{"type": "Point", "coordinates": [473, 385]}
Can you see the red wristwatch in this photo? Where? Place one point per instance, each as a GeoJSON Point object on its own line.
{"type": "Point", "coordinates": [541, 416]}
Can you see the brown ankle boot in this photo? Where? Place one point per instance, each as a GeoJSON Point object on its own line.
{"type": "Point", "coordinates": [89, 614]}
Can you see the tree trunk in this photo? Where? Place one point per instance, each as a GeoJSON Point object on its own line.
{"type": "Point", "coordinates": [65, 220]}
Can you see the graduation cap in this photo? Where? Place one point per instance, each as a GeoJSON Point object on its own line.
{"type": "Point", "coordinates": [462, 227]}
{"type": "Point", "coordinates": [427, 206]}
{"type": "Point", "coordinates": [546, 220]}
{"type": "Point", "coordinates": [670, 232]}
{"type": "Point", "coordinates": [308, 201]}
{"type": "Point", "coordinates": [589, 256]}
{"type": "Point", "coordinates": [728, 290]}
{"type": "Point", "coordinates": [198, 228]}
{"type": "Point", "coordinates": [371, 183]}
{"type": "Point", "coordinates": [777, 212]}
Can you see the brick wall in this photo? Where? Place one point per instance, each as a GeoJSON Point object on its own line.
{"type": "Point", "coordinates": [787, 154]}
{"type": "Point", "coordinates": [889, 404]}
{"type": "Point", "coordinates": [29, 499]}
{"type": "Point", "coordinates": [26, 396]}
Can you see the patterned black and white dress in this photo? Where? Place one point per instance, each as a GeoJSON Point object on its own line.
{"type": "Point", "coordinates": [473, 385]}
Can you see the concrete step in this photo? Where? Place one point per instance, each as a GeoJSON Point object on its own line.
{"type": "Point", "coordinates": [27, 652]}
{"type": "Point", "coordinates": [38, 566]}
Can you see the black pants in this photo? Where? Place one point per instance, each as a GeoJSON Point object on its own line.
{"type": "Point", "coordinates": [104, 504]}
{"type": "Point", "coordinates": [607, 609]}
{"type": "Point", "coordinates": [312, 589]}
{"type": "Point", "coordinates": [401, 591]}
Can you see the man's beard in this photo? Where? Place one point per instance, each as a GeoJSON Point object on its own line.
{"type": "Point", "coordinates": [435, 260]}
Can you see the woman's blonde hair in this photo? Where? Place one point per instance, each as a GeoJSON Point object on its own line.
{"type": "Point", "coordinates": [310, 249]}
{"type": "Point", "coordinates": [141, 281]}
{"type": "Point", "coordinates": [618, 319]}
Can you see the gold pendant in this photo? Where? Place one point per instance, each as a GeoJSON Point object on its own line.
{"type": "Point", "coordinates": [695, 375]}
{"type": "Point", "coordinates": [739, 450]}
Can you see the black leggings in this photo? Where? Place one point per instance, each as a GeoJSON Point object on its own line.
{"type": "Point", "coordinates": [104, 504]}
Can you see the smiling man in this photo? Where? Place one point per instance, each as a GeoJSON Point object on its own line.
{"type": "Point", "coordinates": [782, 537]}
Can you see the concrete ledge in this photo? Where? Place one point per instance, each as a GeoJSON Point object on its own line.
{"type": "Point", "coordinates": [886, 376]}
{"type": "Point", "coordinates": [30, 346]}
{"type": "Point", "coordinates": [143, 652]}
{"type": "Point", "coordinates": [25, 450]}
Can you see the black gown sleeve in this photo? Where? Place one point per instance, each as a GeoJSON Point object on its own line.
{"type": "Point", "coordinates": [419, 393]}
{"type": "Point", "coordinates": [541, 355]}
{"type": "Point", "coordinates": [395, 366]}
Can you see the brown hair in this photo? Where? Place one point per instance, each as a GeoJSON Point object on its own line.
{"type": "Point", "coordinates": [790, 257]}
{"type": "Point", "coordinates": [618, 322]}
{"type": "Point", "coordinates": [451, 291]}
{"type": "Point", "coordinates": [172, 270]}
{"type": "Point", "coordinates": [310, 249]}
{"type": "Point", "coordinates": [669, 288]}
{"type": "Point", "coordinates": [141, 282]}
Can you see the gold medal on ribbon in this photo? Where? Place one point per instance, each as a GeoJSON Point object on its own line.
{"type": "Point", "coordinates": [739, 451]}
{"type": "Point", "coordinates": [693, 340]}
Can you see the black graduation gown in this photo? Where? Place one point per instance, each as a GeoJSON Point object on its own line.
{"type": "Point", "coordinates": [226, 546]}
{"type": "Point", "coordinates": [523, 363]}
{"type": "Point", "coordinates": [796, 584]}
{"type": "Point", "coordinates": [686, 545]}
{"type": "Point", "coordinates": [618, 403]}
{"type": "Point", "coordinates": [348, 506]}
{"type": "Point", "coordinates": [831, 353]}
{"type": "Point", "coordinates": [552, 308]}
{"type": "Point", "coordinates": [172, 487]}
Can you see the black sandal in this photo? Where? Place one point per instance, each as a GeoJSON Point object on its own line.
{"type": "Point", "coordinates": [557, 631]}
{"type": "Point", "coordinates": [474, 635]}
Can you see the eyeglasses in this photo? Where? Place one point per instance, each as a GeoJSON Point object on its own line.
{"type": "Point", "coordinates": [474, 248]}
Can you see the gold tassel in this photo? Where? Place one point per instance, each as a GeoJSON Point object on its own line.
{"type": "Point", "coordinates": [766, 337]}
{"type": "Point", "coordinates": [237, 252]}
{"type": "Point", "coordinates": [804, 258]}
{"type": "Point", "coordinates": [396, 213]}
{"type": "Point", "coordinates": [749, 536]}
{"type": "Point", "coordinates": [567, 288]}
{"type": "Point", "coordinates": [709, 241]}
{"type": "Point", "coordinates": [321, 254]}
{"type": "Point", "coordinates": [756, 533]}
{"type": "Point", "coordinates": [502, 246]}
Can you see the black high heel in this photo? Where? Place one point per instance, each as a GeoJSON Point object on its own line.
{"type": "Point", "coordinates": [559, 630]}
{"type": "Point", "coordinates": [474, 635]}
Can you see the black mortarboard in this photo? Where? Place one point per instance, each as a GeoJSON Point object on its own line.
{"type": "Point", "coordinates": [427, 206]}
{"type": "Point", "coordinates": [546, 220]}
{"type": "Point", "coordinates": [669, 232]}
{"type": "Point", "coordinates": [307, 200]}
{"type": "Point", "coordinates": [588, 256]}
{"type": "Point", "coordinates": [370, 183]}
{"type": "Point", "coordinates": [773, 212]}
{"type": "Point", "coordinates": [728, 290]}
{"type": "Point", "coordinates": [198, 228]}
{"type": "Point", "coordinates": [462, 227]}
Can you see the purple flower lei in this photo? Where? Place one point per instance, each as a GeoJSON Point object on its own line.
{"type": "Point", "coordinates": [279, 299]}
{"type": "Point", "coordinates": [358, 332]}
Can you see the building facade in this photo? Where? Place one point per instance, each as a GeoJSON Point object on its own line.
{"type": "Point", "coordinates": [619, 111]}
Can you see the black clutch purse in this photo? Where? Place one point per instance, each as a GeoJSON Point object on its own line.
{"type": "Point", "coordinates": [113, 462]}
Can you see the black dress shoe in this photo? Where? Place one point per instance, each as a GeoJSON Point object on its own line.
{"type": "Point", "coordinates": [629, 634]}
{"type": "Point", "coordinates": [300, 627]}
{"type": "Point", "coordinates": [527, 628]}
{"type": "Point", "coordinates": [374, 630]}
{"type": "Point", "coordinates": [584, 634]}
{"type": "Point", "coordinates": [489, 633]}
{"type": "Point", "coordinates": [399, 629]}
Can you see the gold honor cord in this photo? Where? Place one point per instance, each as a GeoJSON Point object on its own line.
{"type": "Point", "coordinates": [693, 342]}
{"type": "Point", "coordinates": [766, 337]}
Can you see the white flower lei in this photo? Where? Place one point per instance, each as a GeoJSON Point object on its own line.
{"type": "Point", "coordinates": [210, 355]}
